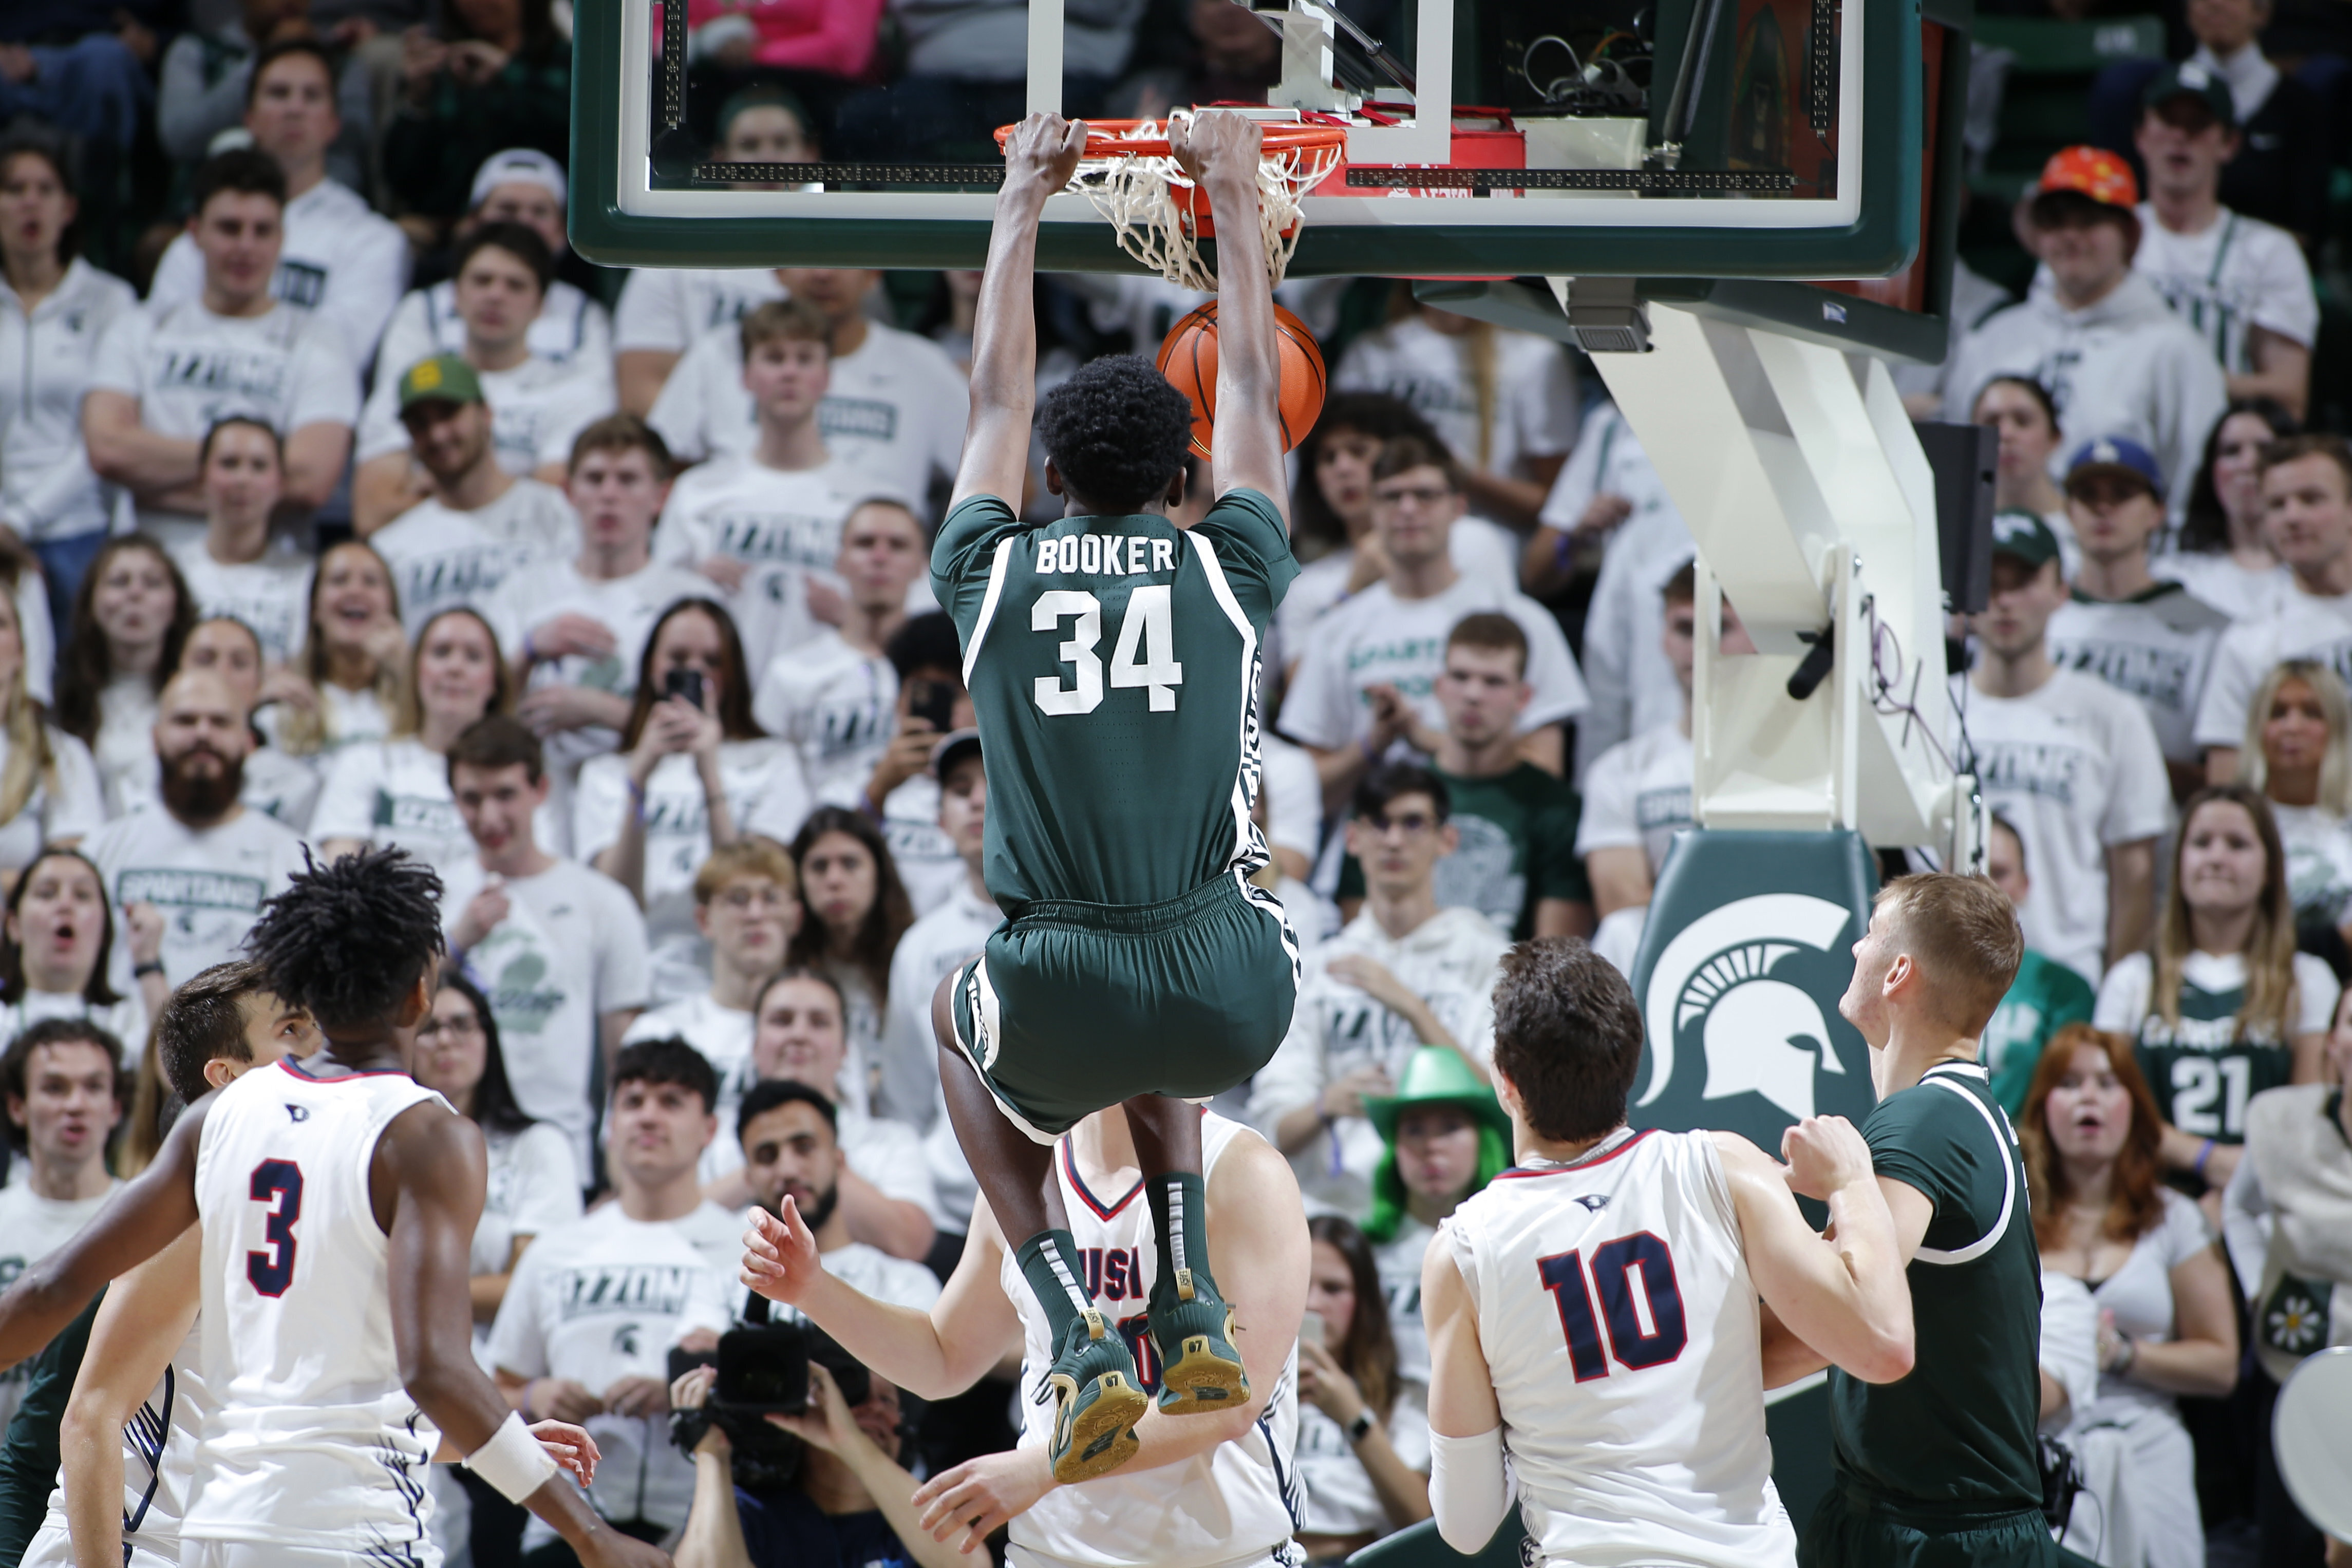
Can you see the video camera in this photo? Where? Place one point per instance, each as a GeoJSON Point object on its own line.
{"type": "Point", "coordinates": [762, 1371]}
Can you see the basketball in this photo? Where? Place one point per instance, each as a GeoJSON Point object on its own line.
{"type": "Point", "coordinates": [1187, 358]}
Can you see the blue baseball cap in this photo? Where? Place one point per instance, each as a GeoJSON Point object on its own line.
{"type": "Point", "coordinates": [2114, 455]}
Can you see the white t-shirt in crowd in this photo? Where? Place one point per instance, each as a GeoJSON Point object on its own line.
{"type": "Point", "coordinates": [66, 803]}
{"type": "Point", "coordinates": [626, 606]}
{"type": "Point", "coordinates": [537, 408]}
{"type": "Point", "coordinates": [570, 329]}
{"type": "Point", "coordinates": [868, 1271]}
{"type": "Point", "coordinates": [47, 490]}
{"type": "Point", "coordinates": [533, 1188]}
{"type": "Point", "coordinates": [1449, 962]}
{"type": "Point", "coordinates": [271, 595]}
{"type": "Point", "coordinates": [1341, 1498]}
{"type": "Point", "coordinates": [2126, 994]}
{"type": "Point", "coordinates": [785, 525]}
{"type": "Point", "coordinates": [340, 258]}
{"type": "Point", "coordinates": [1487, 551]}
{"type": "Point", "coordinates": [931, 950]}
{"type": "Point", "coordinates": [1293, 796]}
{"type": "Point", "coordinates": [2240, 273]}
{"type": "Point", "coordinates": [1378, 639]}
{"type": "Point", "coordinates": [2217, 579]}
{"type": "Point", "coordinates": [442, 557]}
{"type": "Point", "coordinates": [2305, 626]}
{"type": "Point", "coordinates": [395, 793]}
{"type": "Point", "coordinates": [1532, 408]}
{"type": "Point", "coordinates": [2157, 647]}
{"type": "Point", "coordinates": [189, 368]}
{"type": "Point", "coordinates": [1638, 794]}
{"type": "Point", "coordinates": [599, 1299]}
{"type": "Point", "coordinates": [836, 706]}
{"type": "Point", "coordinates": [1399, 1260]}
{"type": "Point", "coordinates": [2318, 861]}
{"type": "Point", "coordinates": [765, 794]}
{"type": "Point", "coordinates": [929, 865]}
{"type": "Point", "coordinates": [2123, 367]}
{"type": "Point", "coordinates": [2139, 1294]}
{"type": "Point", "coordinates": [571, 949]}
{"type": "Point", "coordinates": [668, 307]}
{"type": "Point", "coordinates": [2077, 773]}
{"type": "Point", "coordinates": [894, 411]}
{"type": "Point", "coordinates": [36, 1226]}
{"type": "Point", "coordinates": [126, 735]}
{"type": "Point", "coordinates": [208, 884]}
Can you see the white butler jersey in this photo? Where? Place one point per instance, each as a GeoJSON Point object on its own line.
{"type": "Point", "coordinates": [1233, 1504]}
{"type": "Point", "coordinates": [1643, 1443]}
{"type": "Point", "coordinates": [316, 1444]}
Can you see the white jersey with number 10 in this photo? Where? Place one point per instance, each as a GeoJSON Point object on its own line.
{"type": "Point", "coordinates": [315, 1444]}
{"type": "Point", "coordinates": [1620, 1325]}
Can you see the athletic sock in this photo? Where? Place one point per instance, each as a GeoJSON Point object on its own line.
{"type": "Point", "coordinates": [1049, 1261]}
{"type": "Point", "coordinates": [1180, 1212]}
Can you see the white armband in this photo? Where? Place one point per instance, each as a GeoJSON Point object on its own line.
{"type": "Point", "coordinates": [512, 1462]}
{"type": "Point", "coordinates": [1470, 1487]}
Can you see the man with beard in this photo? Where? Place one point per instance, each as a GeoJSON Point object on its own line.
{"type": "Point", "coordinates": [477, 523]}
{"type": "Point", "coordinates": [204, 865]}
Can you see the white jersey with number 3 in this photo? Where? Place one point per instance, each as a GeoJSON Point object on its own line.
{"type": "Point", "coordinates": [1233, 1504]}
{"type": "Point", "coordinates": [1618, 1321]}
{"type": "Point", "coordinates": [315, 1443]}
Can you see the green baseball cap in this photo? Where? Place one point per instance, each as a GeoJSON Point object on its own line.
{"type": "Point", "coordinates": [1436, 1075]}
{"type": "Point", "coordinates": [2189, 80]}
{"type": "Point", "coordinates": [444, 378]}
{"type": "Point", "coordinates": [2023, 535]}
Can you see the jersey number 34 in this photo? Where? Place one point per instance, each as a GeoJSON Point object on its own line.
{"type": "Point", "coordinates": [1641, 1304]}
{"type": "Point", "coordinates": [1144, 656]}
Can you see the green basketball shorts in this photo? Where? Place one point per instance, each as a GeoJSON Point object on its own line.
{"type": "Point", "coordinates": [1851, 1531]}
{"type": "Point", "coordinates": [1071, 1008]}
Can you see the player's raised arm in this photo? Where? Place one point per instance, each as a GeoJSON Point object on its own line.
{"type": "Point", "coordinates": [435, 1164]}
{"type": "Point", "coordinates": [1844, 1294]}
{"type": "Point", "coordinates": [1039, 160]}
{"type": "Point", "coordinates": [140, 1221]}
{"type": "Point", "coordinates": [1220, 149]}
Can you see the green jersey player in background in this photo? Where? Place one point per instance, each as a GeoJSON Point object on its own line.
{"type": "Point", "coordinates": [1941, 1468]}
{"type": "Point", "coordinates": [1112, 659]}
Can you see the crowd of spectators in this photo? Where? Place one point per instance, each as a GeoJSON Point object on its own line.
{"type": "Point", "coordinates": [343, 506]}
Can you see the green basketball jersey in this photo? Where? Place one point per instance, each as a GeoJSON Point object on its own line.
{"type": "Point", "coordinates": [1113, 664]}
{"type": "Point", "coordinates": [2045, 997]}
{"type": "Point", "coordinates": [1959, 1432]}
{"type": "Point", "coordinates": [2201, 1072]}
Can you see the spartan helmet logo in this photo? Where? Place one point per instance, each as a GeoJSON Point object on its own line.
{"type": "Point", "coordinates": [1761, 1035]}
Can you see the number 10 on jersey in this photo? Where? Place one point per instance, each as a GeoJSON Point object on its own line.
{"type": "Point", "coordinates": [1144, 656]}
{"type": "Point", "coordinates": [1640, 1303]}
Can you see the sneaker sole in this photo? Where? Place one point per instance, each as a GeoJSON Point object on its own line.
{"type": "Point", "coordinates": [1102, 1435]}
{"type": "Point", "coordinates": [1202, 1382]}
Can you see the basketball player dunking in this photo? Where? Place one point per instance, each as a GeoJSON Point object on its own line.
{"type": "Point", "coordinates": [1593, 1311]}
{"type": "Point", "coordinates": [338, 1202]}
{"type": "Point", "coordinates": [1113, 659]}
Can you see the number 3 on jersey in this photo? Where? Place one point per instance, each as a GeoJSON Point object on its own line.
{"type": "Point", "coordinates": [279, 1184]}
{"type": "Point", "coordinates": [1144, 656]}
{"type": "Point", "coordinates": [1640, 1302]}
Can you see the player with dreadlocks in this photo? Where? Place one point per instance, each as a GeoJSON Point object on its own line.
{"type": "Point", "coordinates": [338, 1201]}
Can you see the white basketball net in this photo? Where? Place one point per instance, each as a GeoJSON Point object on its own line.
{"type": "Point", "coordinates": [1137, 192]}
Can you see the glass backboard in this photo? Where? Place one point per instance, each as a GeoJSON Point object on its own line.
{"type": "Point", "coordinates": [1735, 139]}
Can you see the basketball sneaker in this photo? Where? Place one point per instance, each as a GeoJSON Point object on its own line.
{"type": "Point", "coordinates": [1098, 1401]}
{"type": "Point", "coordinates": [1192, 1330]}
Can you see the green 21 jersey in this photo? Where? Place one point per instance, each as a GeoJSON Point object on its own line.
{"type": "Point", "coordinates": [1113, 664]}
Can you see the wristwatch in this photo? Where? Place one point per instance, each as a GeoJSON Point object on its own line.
{"type": "Point", "coordinates": [1357, 1427]}
{"type": "Point", "coordinates": [151, 967]}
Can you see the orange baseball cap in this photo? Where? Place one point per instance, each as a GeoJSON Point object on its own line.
{"type": "Point", "coordinates": [2093, 172]}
